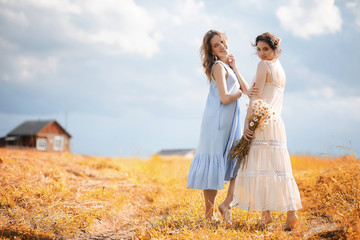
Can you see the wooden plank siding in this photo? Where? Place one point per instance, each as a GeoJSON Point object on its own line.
{"type": "Point", "coordinates": [50, 132]}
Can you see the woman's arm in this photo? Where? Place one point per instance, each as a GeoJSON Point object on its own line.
{"type": "Point", "coordinates": [243, 84]}
{"type": "Point", "coordinates": [253, 91]}
{"type": "Point", "coordinates": [260, 80]}
{"type": "Point", "coordinates": [219, 74]}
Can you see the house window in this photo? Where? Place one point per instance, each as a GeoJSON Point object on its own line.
{"type": "Point", "coordinates": [41, 144]}
{"type": "Point", "coordinates": [58, 143]}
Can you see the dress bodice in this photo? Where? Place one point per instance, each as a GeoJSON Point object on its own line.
{"type": "Point", "coordinates": [232, 83]}
{"type": "Point", "coordinates": [273, 93]}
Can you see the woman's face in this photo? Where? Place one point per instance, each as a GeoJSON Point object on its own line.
{"type": "Point", "coordinates": [264, 51]}
{"type": "Point", "coordinates": [219, 47]}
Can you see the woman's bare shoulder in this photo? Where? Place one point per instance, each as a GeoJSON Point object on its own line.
{"type": "Point", "coordinates": [263, 64]}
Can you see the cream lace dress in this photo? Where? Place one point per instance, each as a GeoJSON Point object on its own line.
{"type": "Point", "coordinates": [266, 182]}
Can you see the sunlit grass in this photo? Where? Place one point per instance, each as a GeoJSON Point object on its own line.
{"type": "Point", "coordinates": [51, 195]}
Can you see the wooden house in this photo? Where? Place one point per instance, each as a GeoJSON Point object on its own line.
{"type": "Point", "coordinates": [39, 135]}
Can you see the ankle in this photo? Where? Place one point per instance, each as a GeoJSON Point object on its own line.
{"type": "Point", "coordinates": [225, 205]}
{"type": "Point", "coordinates": [266, 218]}
{"type": "Point", "coordinates": [209, 215]}
{"type": "Point", "coordinates": [266, 214]}
{"type": "Point", "coordinates": [291, 215]}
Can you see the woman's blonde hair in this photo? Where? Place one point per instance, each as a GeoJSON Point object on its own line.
{"type": "Point", "coordinates": [207, 56]}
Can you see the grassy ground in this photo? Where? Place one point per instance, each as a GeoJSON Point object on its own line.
{"type": "Point", "coordinates": [66, 196]}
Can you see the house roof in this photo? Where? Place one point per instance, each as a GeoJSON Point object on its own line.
{"type": "Point", "coordinates": [31, 128]}
{"type": "Point", "coordinates": [179, 152]}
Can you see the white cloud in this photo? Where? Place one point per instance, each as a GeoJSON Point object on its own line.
{"type": "Point", "coordinates": [183, 21]}
{"type": "Point", "coordinates": [107, 27]}
{"type": "Point", "coordinates": [320, 111]}
{"type": "Point", "coordinates": [58, 5]}
{"type": "Point", "coordinates": [27, 68]}
{"type": "Point", "coordinates": [120, 28]}
{"type": "Point", "coordinates": [315, 125]}
{"type": "Point", "coordinates": [6, 45]}
{"type": "Point", "coordinates": [325, 92]}
{"type": "Point", "coordinates": [255, 4]}
{"type": "Point", "coordinates": [318, 123]}
{"type": "Point", "coordinates": [354, 7]}
{"type": "Point", "coordinates": [110, 26]}
{"type": "Point", "coordinates": [184, 11]}
{"type": "Point", "coordinates": [189, 7]}
{"type": "Point", "coordinates": [16, 17]}
{"type": "Point", "coordinates": [307, 18]}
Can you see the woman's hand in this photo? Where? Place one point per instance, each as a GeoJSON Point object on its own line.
{"type": "Point", "coordinates": [253, 91]}
{"type": "Point", "coordinates": [231, 61]}
{"type": "Point", "coordinates": [248, 134]}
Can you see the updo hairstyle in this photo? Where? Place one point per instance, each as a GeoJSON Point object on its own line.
{"type": "Point", "coordinates": [271, 40]}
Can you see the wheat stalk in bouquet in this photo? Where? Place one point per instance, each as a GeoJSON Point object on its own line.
{"type": "Point", "coordinates": [261, 115]}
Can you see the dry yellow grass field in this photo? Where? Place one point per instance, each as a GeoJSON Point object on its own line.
{"type": "Point", "coordinates": [66, 196]}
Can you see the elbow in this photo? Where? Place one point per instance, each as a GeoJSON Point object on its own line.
{"type": "Point", "coordinates": [225, 100]}
{"type": "Point", "coordinates": [245, 90]}
{"type": "Point", "coordinates": [229, 98]}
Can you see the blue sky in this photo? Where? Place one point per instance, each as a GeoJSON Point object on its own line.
{"type": "Point", "coordinates": [125, 77]}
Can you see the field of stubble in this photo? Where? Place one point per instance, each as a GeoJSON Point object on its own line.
{"type": "Point", "coordinates": [67, 196]}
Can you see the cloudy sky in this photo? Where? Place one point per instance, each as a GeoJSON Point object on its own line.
{"type": "Point", "coordinates": [124, 77]}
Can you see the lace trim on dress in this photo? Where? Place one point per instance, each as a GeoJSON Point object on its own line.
{"type": "Point", "coordinates": [265, 173]}
{"type": "Point", "coordinates": [266, 207]}
{"type": "Point", "coordinates": [268, 143]}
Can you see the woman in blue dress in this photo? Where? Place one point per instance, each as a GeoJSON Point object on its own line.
{"type": "Point", "coordinates": [220, 127]}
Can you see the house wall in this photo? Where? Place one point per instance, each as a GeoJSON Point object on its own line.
{"type": "Point", "coordinates": [51, 141]}
{"type": "Point", "coordinates": [53, 133]}
{"type": "Point", "coordinates": [23, 142]}
{"type": "Point", "coordinates": [51, 138]}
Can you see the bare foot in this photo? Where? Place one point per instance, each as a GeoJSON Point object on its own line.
{"type": "Point", "coordinates": [291, 221]}
{"type": "Point", "coordinates": [225, 213]}
{"type": "Point", "coordinates": [265, 219]}
{"type": "Point", "coordinates": [212, 218]}
{"type": "Point", "coordinates": [210, 215]}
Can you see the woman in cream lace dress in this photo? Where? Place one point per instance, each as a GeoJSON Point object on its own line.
{"type": "Point", "coordinates": [266, 181]}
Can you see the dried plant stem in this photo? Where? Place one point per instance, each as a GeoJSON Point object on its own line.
{"type": "Point", "coordinates": [242, 146]}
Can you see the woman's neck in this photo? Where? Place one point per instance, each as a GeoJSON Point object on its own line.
{"type": "Point", "coordinates": [273, 60]}
{"type": "Point", "coordinates": [223, 60]}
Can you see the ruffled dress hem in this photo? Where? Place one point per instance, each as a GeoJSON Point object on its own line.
{"type": "Point", "coordinates": [267, 191]}
{"type": "Point", "coordinates": [207, 172]}
{"type": "Point", "coordinates": [268, 208]}
{"type": "Point", "coordinates": [232, 168]}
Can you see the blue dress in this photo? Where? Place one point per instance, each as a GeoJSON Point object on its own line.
{"type": "Point", "coordinates": [220, 129]}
